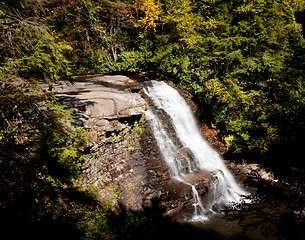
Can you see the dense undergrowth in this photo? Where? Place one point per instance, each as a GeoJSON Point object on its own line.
{"type": "Point", "coordinates": [241, 61]}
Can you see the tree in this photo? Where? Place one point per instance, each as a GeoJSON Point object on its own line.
{"type": "Point", "coordinates": [29, 49]}
{"type": "Point", "coordinates": [152, 15]}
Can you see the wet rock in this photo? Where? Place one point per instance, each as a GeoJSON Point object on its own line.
{"type": "Point", "coordinates": [173, 213]}
{"type": "Point", "coordinates": [254, 171]}
{"type": "Point", "coordinates": [176, 189]}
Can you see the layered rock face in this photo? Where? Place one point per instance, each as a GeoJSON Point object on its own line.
{"type": "Point", "coordinates": [124, 166]}
{"type": "Point", "coordinates": [99, 99]}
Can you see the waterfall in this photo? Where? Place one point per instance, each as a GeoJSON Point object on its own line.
{"type": "Point", "coordinates": [186, 151]}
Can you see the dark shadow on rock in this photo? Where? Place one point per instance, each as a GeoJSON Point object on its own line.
{"type": "Point", "coordinates": [276, 210]}
{"type": "Point", "coordinates": [80, 119]}
{"type": "Point", "coordinates": [73, 102]}
{"type": "Point", "coordinates": [98, 80]}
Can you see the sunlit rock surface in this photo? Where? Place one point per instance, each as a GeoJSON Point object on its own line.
{"type": "Point", "coordinates": [99, 99]}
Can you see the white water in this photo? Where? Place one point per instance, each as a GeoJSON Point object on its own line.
{"type": "Point", "coordinates": [168, 103]}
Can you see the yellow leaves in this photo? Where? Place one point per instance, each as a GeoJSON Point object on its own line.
{"type": "Point", "coordinates": [152, 14]}
{"type": "Point", "coordinates": [229, 139]}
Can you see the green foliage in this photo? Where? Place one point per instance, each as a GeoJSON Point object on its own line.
{"type": "Point", "coordinates": [98, 33]}
{"type": "Point", "coordinates": [251, 57]}
{"type": "Point", "coordinates": [176, 40]}
{"type": "Point", "coordinates": [243, 60]}
{"type": "Point", "coordinates": [40, 157]}
{"type": "Point", "coordinates": [39, 150]}
{"type": "Point", "coordinates": [29, 50]}
{"type": "Point", "coordinates": [131, 225]}
{"type": "Point", "coordinates": [34, 136]}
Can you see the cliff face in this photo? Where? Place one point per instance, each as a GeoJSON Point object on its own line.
{"type": "Point", "coordinates": [124, 166]}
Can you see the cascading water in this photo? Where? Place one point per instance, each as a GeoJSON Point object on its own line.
{"type": "Point", "coordinates": [186, 151]}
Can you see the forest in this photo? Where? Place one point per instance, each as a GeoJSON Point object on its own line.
{"type": "Point", "coordinates": [241, 62]}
